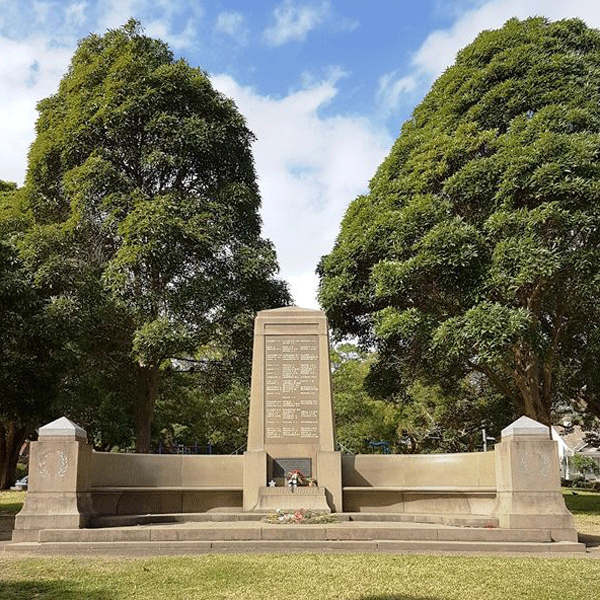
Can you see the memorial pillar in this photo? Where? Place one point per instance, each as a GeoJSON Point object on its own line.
{"type": "Point", "coordinates": [59, 484]}
{"type": "Point", "coordinates": [528, 481]}
{"type": "Point", "coordinates": [291, 411]}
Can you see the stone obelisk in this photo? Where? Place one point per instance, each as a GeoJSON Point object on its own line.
{"type": "Point", "coordinates": [291, 413]}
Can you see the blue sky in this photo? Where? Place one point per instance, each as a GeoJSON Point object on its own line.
{"type": "Point", "coordinates": [324, 85]}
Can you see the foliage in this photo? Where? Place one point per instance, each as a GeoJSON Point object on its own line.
{"type": "Point", "coordinates": [142, 188]}
{"type": "Point", "coordinates": [31, 359]}
{"type": "Point", "coordinates": [586, 465]}
{"type": "Point", "coordinates": [435, 419]}
{"type": "Point", "coordinates": [194, 408]}
{"type": "Point", "coordinates": [359, 418]}
{"type": "Point", "coordinates": [477, 247]}
{"type": "Point", "coordinates": [419, 418]}
{"type": "Point", "coordinates": [592, 437]}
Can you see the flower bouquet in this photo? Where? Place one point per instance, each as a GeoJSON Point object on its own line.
{"type": "Point", "coordinates": [300, 517]}
{"type": "Point", "coordinates": [295, 478]}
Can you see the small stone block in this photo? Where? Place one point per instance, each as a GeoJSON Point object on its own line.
{"type": "Point", "coordinates": [526, 426]}
{"type": "Point", "coordinates": [62, 428]}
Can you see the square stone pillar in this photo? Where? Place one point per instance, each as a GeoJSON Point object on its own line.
{"type": "Point", "coordinates": [254, 478]}
{"type": "Point", "coordinates": [59, 485]}
{"type": "Point", "coordinates": [528, 481]}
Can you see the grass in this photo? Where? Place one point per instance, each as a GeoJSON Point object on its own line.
{"type": "Point", "coordinates": [301, 577]}
{"type": "Point", "coordinates": [11, 502]}
{"type": "Point", "coordinates": [585, 507]}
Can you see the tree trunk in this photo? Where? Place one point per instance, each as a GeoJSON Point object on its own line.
{"type": "Point", "coordinates": [144, 408]}
{"type": "Point", "coordinates": [12, 437]}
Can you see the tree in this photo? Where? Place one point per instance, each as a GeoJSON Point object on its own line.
{"type": "Point", "coordinates": [584, 465]}
{"type": "Point", "coordinates": [142, 186]}
{"type": "Point", "coordinates": [224, 422]}
{"type": "Point", "coordinates": [359, 418]}
{"type": "Point", "coordinates": [29, 367]}
{"type": "Point", "coordinates": [421, 418]}
{"type": "Point", "coordinates": [438, 419]}
{"type": "Point", "coordinates": [477, 248]}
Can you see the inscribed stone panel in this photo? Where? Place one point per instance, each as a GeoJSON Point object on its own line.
{"type": "Point", "coordinates": [291, 388]}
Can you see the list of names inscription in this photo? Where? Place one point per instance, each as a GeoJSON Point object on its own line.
{"type": "Point", "coordinates": [291, 388]}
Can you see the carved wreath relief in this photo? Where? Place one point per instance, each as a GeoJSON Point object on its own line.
{"type": "Point", "coordinates": [53, 464]}
{"type": "Point", "coordinates": [528, 463]}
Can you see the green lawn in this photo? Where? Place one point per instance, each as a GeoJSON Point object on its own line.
{"type": "Point", "coordinates": [11, 502]}
{"type": "Point", "coordinates": [585, 507]}
{"type": "Point", "coordinates": [301, 577]}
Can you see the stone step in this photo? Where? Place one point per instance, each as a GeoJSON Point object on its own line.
{"type": "Point", "coordinates": [163, 518]}
{"type": "Point", "coordinates": [149, 519]}
{"type": "Point", "coordinates": [457, 520]}
{"type": "Point", "coordinates": [256, 531]}
{"type": "Point", "coordinates": [133, 548]}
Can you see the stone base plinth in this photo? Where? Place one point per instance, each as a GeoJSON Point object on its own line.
{"type": "Point", "coordinates": [309, 498]}
{"type": "Point", "coordinates": [51, 510]}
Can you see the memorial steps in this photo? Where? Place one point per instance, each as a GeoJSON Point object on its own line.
{"type": "Point", "coordinates": [174, 535]}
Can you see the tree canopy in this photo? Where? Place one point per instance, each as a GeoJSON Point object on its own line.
{"type": "Point", "coordinates": [30, 339]}
{"type": "Point", "coordinates": [422, 418]}
{"type": "Point", "coordinates": [477, 248]}
{"type": "Point", "coordinates": [142, 188]}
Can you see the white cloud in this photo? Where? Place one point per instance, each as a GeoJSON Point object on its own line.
{"type": "Point", "coordinates": [75, 14]}
{"type": "Point", "coordinates": [29, 71]}
{"type": "Point", "coordinates": [439, 49]}
{"type": "Point", "coordinates": [232, 24]}
{"type": "Point", "coordinates": [176, 23]}
{"type": "Point", "coordinates": [114, 13]}
{"type": "Point", "coordinates": [310, 168]}
{"type": "Point", "coordinates": [392, 88]}
{"type": "Point", "coordinates": [177, 40]}
{"type": "Point", "coordinates": [294, 22]}
{"type": "Point", "coordinates": [303, 288]}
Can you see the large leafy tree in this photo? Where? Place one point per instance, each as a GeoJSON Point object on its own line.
{"type": "Point", "coordinates": [420, 418]}
{"type": "Point", "coordinates": [30, 363]}
{"type": "Point", "coordinates": [477, 248]}
{"type": "Point", "coordinates": [359, 418]}
{"type": "Point", "coordinates": [142, 186]}
{"type": "Point", "coordinates": [57, 356]}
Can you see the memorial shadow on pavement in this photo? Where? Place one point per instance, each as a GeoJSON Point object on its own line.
{"type": "Point", "coordinates": [49, 590]}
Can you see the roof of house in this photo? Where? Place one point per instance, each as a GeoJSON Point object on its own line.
{"type": "Point", "coordinates": [574, 438]}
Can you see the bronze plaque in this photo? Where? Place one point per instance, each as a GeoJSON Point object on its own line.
{"type": "Point", "coordinates": [291, 388]}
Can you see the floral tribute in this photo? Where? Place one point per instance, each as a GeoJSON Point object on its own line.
{"type": "Point", "coordinates": [300, 517]}
{"type": "Point", "coordinates": [295, 478]}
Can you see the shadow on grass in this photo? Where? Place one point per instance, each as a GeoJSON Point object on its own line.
{"type": "Point", "coordinates": [7, 524]}
{"type": "Point", "coordinates": [48, 590]}
{"type": "Point", "coordinates": [399, 597]}
{"type": "Point", "coordinates": [590, 540]}
{"type": "Point", "coordinates": [10, 509]}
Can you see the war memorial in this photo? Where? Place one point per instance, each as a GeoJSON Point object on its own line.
{"type": "Point", "coordinates": [507, 499]}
